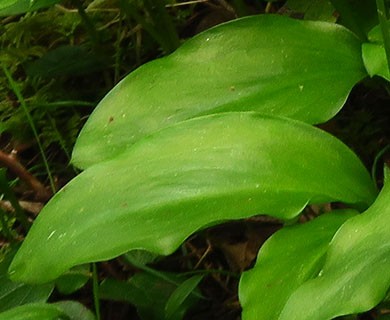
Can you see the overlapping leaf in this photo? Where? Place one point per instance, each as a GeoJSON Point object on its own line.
{"type": "Point", "coordinates": [36, 311]}
{"type": "Point", "coordinates": [15, 294]}
{"type": "Point", "coordinates": [356, 274]}
{"type": "Point", "coordinates": [188, 176]}
{"type": "Point", "coordinates": [64, 310]}
{"type": "Point", "coordinates": [289, 258]}
{"type": "Point", "coordinates": [267, 63]}
{"type": "Point", "coordinates": [12, 7]}
{"type": "Point", "coordinates": [374, 55]}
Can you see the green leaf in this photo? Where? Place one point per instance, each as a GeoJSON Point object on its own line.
{"type": "Point", "coordinates": [374, 55]}
{"type": "Point", "coordinates": [359, 16]}
{"type": "Point", "coordinates": [177, 299]}
{"type": "Point", "coordinates": [73, 280]}
{"type": "Point", "coordinates": [65, 60]}
{"type": "Point", "coordinates": [140, 258]}
{"type": "Point", "coordinates": [34, 311]}
{"type": "Point", "coordinates": [195, 174]}
{"type": "Point", "coordinates": [13, 7]}
{"type": "Point", "coordinates": [314, 9]}
{"type": "Point", "coordinates": [15, 294]}
{"type": "Point", "coordinates": [6, 3]}
{"type": "Point", "coordinates": [356, 274]}
{"type": "Point", "coordinates": [75, 310]}
{"type": "Point", "coordinates": [147, 292]}
{"type": "Point", "coordinates": [287, 259]}
{"type": "Point", "coordinates": [267, 63]}
{"type": "Point", "coordinates": [64, 310]}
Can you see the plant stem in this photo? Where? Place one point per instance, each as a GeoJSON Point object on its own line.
{"type": "Point", "coordinates": [59, 137]}
{"type": "Point", "coordinates": [11, 163]}
{"type": "Point", "coordinates": [95, 288]}
{"type": "Point", "coordinates": [30, 120]}
{"type": "Point", "coordinates": [87, 22]}
{"type": "Point", "coordinates": [383, 16]}
{"type": "Point", "coordinates": [69, 103]}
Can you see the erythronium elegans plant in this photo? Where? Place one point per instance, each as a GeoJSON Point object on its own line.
{"type": "Point", "coordinates": [221, 130]}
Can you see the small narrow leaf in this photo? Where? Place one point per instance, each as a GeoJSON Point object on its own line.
{"type": "Point", "coordinates": [188, 176]}
{"type": "Point", "coordinates": [267, 63]}
{"type": "Point", "coordinates": [356, 274]}
{"type": "Point", "coordinates": [180, 295]}
{"type": "Point", "coordinates": [287, 259]}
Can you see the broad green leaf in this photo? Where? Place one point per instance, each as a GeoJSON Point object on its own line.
{"type": "Point", "coordinates": [15, 294]}
{"type": "Point", "coordinates": [6, 3]}
{"type": "Point", "coordinates": [356, 274]}
{"type": "Point", "coordinates": [12, 7]}
{"type": "Point", "coordinates": [287, 259]}
{"type": "Point", "coordinates": [197, 173]}
{"type": "Point", "coordinates": [374, 55]}
{"type": "Point", "coordinates": [34, 311]}
{"type": "Point", "coordinates": [266, 63]}
{"type": "Point", "coordinates": [64, 310]}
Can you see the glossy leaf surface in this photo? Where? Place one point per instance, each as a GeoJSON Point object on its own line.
{"type": "Point", "coordinates": [35, 311]}
{"type": "Point", "coordinates": [287, 259]}
{"type": "Point", "coordinates": [356, 274]}
{"type": "Point", "coordinates": [267, 63]}
{"type": "Point", "coordinates": [64, 310]}
{"type": "Point", "coordinates": [194, 174]}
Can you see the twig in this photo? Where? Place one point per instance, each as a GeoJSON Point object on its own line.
{"type": "Point", "coordinates": [32, 207]}
{"type": "Point", "coordinates": [18, 93]}
{"type": "Point", "coordinates": [185, 3]}
{"type": "Point", "coordinates": [10, 162]}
